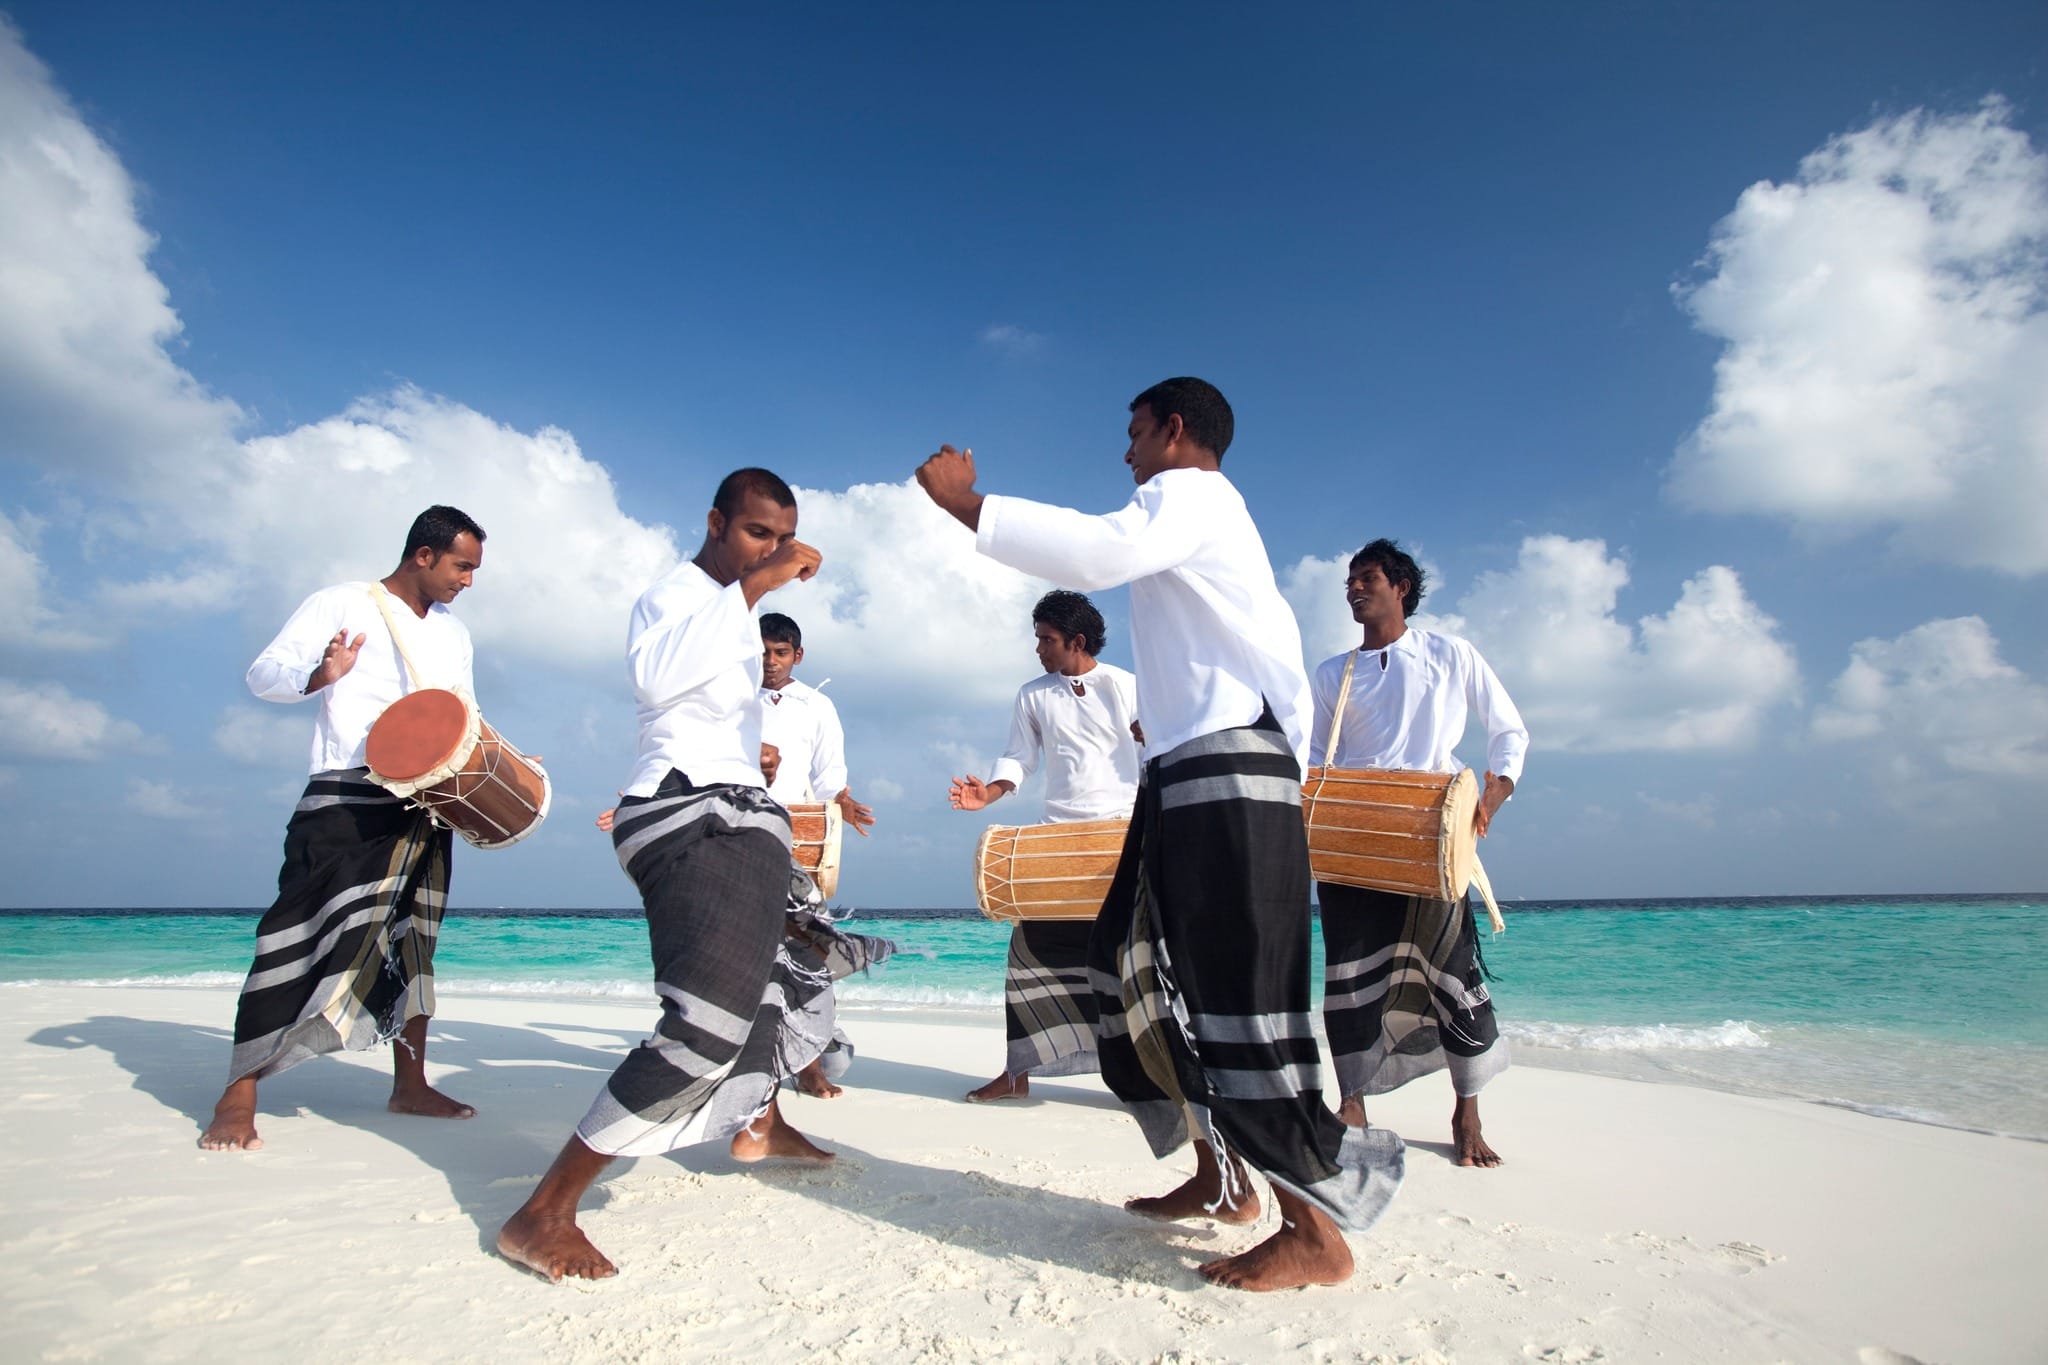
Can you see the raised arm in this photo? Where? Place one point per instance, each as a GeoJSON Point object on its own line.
{"type": "Point", "coordinates": [310, 652]}
{"type": "Point", "coordinates": [676, 649]}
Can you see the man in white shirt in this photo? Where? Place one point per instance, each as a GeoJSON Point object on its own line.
{"type": "Point", "coordinates": [1201, 951]}
{"type": "Point", "coordinates": [802, 725]}
{"type": "Point", "coordinates": [1404, 989]}
{"type": "Point", "coordinates": [344, 956]}
{"type": "Point", "coordinates": [709, 850]}
{"type": "Point", "coordinates": [805, 752]}
{"type": "Point", "coordinates": [1079, 718]}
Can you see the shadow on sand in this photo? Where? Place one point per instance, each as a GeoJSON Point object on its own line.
{"type": "Point", "coordinates": [527, 1107]}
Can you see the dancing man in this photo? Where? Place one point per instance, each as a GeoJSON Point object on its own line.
{"type": "Point", "coordinates": [1080, 719]}
{"type": "Point", "coordinates": [1404, 991]}
{"type": "Point", "coordinates": [710, 852]}
{"type": "Point", "coordinates": [1202, 948]}
{"type": "Point", "coordinates": [345, 955]}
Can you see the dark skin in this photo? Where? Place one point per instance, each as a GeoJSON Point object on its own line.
{"type": "Point", "coordinates": [779, 659]}
{"type": "Point", "coordinates": [421, 579]}
{"type": "Point", "coordinates": [1378, 605]}
{"type": "Point", "coordinates": [757, 548]}
{"type": "Point", "coordinates": [1068, 656]}
{"type": "Point", "coordinates": [1308, 1248]}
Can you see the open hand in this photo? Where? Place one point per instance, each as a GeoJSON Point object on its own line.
{"type": "Point", "coordinates": [970, 793]}
{"type": "Point", "coordinates": [862, 818]}
{"type": "Point", "coordinates": [335, 661]}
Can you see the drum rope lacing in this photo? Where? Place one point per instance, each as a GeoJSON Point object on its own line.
{"type": "Point", "coordinates": [1480, 880]}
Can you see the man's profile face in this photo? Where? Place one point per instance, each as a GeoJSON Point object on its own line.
{"type": "Point", "coordinates": [1149, 439]}
{"type": "Point", "coordinates": [779, 659]}
{"type": "Point", "coordinates": [1057, 653]}
{"type": "Point", "coordinates": [740, 543]}
{"type": "Point", "coordinates": [451, 570]}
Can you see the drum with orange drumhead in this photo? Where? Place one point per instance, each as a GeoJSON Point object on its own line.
{"type": "Point", "coordinates": [814, 840]}
{"type": "Point", "coordinates": [1030, 872]}
{"type": "Point", "coordinates": [436, 748]}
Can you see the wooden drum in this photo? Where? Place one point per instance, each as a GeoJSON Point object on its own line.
{"type": "Point", "coordinates": [814, 839]}
{"type": "Point", "coordinates": [1047, 871]}
{"type": "Point", "coordinates": [1392, 831]}
{"type": "Point", "coordinates": [434, 747]}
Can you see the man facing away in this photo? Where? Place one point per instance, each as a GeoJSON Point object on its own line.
{"type": "Point", "coordinates": [710, 852]}
{"type": "Point", "coordinates": [1404, 992]}
{"type": "Point", "coordinates": [1201, 952]}
{"type": "Point", "coordinates": [1080, 719]}
{"type": "Point", "coordinates": [345, 955]}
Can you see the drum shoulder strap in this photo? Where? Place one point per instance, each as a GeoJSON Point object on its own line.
{"type": "Point", "coordinates": [382, 597]}
{"type": "Point", "coordinates": [1337, 718]}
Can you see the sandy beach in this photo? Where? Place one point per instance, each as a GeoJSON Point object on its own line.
{"type": "Point", "coordinates": [1633, 1221]}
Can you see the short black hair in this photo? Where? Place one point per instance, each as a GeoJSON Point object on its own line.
{"type": "Point", "coordinates": [777, 629]}
{"type": "Point", "coordinates": [1204, 413]}
{"type": "Point", "coordinates": [436, 528]}
{"type": "Point", "coordinates": [734, 488]}
{"type": "Point", "coordinates": [1072, 614]}
{"type": "Point", "coordinates": [1396, 565]}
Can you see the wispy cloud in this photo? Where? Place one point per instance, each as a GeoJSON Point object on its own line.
{"type": "Point", "coordinates": [1013, 341]}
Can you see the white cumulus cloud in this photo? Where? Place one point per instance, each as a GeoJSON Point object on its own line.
{"type": "Point", "coordinates": [163, 801]}
{"type": "Point", "coordinates": [1886, 343]}
{"type": "Point", "coordinates": [47, 721]}
{"type": "Point", "coordinates": [1940, 699]}
{"type": "Point", "coordinates": [28, 618]}
{"type": "Point", "coordinates": [260, 736]}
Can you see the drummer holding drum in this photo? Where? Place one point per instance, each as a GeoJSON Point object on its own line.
{"type": "Point", "coordinates": [1404, 988]}
{"type": "Point", "coordinates": [344, 957]}
{"type": "Point", "coordinates": [1080, 719]}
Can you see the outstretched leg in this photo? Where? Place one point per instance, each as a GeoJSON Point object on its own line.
{"type": "Point", "coordinates": [234, 1119]}
{"type": "Point", "coordinates": [1003, 1087]}
{"type": "Point", "coordinates": [543, 1236]}
{"type": "Point", "coordinates": [410, 1093]}
{"type": "Point", "coordinates": [1308, 1249]}
{"type": "Point", "coordinates": [771, 1136]}
{"type": "Point", "coordinates": [1201, 1195]}
{"type": "Point", "coordinates": [1465, 1135]}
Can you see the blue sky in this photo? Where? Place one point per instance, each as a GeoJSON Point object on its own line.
{"type": "Point", "coordinates": [1698, 350]}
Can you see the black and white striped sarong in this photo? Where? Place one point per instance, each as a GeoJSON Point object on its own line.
{"type": "Point", "coordinates": [712, 864]}
{"type": "Point", "coordinates": [1403, 993]}
{"type": "Point", "coordinates": [345, 956]}
{"type": "Point", "coordinates": [819, 943]}
{"type": "Point", "coordinates": [1201, 965]}
{"type": "Point", "coordinates": [1049, 1008]}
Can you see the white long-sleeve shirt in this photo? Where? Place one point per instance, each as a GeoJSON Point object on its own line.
{"type": "Point", "coordinates": [693, 653]}
{"type": "Point", "coordinates": [349, 706]}
{"type": "Point", "coordinates": [1408, 705]}
{"type": "Point", "coordinates": [1091, 760]}
{"type": "Point", "coordinates": [1213, 641]}
{"type": "Point", "coordinates": [803, 724]}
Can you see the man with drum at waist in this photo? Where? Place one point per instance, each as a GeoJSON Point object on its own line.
{"type": "Point", "coordinates": [1080, 718]}
{"type": "Point", "coordinates": [803, 739]}
{"type": "Point", "coordinates": [710, 852]}
{"type": "Point", "coordinates": [1201, 952]}
{"type": "Point", "coordinates": [345, 955]}
{"type": "Point", "coordinates": [1404, 990]}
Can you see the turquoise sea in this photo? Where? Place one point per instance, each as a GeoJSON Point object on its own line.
{"type": "Point", "coordinates": [1931, 1008]}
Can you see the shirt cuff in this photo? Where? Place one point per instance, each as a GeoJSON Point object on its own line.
{"type": "Point", "coordinates": [1007, 770]}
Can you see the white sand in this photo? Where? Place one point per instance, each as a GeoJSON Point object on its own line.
{"type": "Point", "coordinates": [1632, 1222]}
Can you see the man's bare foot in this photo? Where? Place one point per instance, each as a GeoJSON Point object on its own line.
{"type": "Point", "coordinates": [424, 1100]}
{"type": "Point", "coordinates": [552, 1246]}
{"type": "Point", "coordinates": [1003, 1087]}
{"type": "Point", "coordinates": [813, 1082]}
{"type": "Point", "coordinates": [234, 1120]}
{"type": "Point", "coordinates": [1465, 1135]}
{"type": "Point", "coordinates": [1201, 1194]}
{"type": "Point", "coordinates": [771, 1137]}
{"type": "Point", "coordinates": [1352, 1112]}
{"type": "Point", "coordinates": [1308, 1249]}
